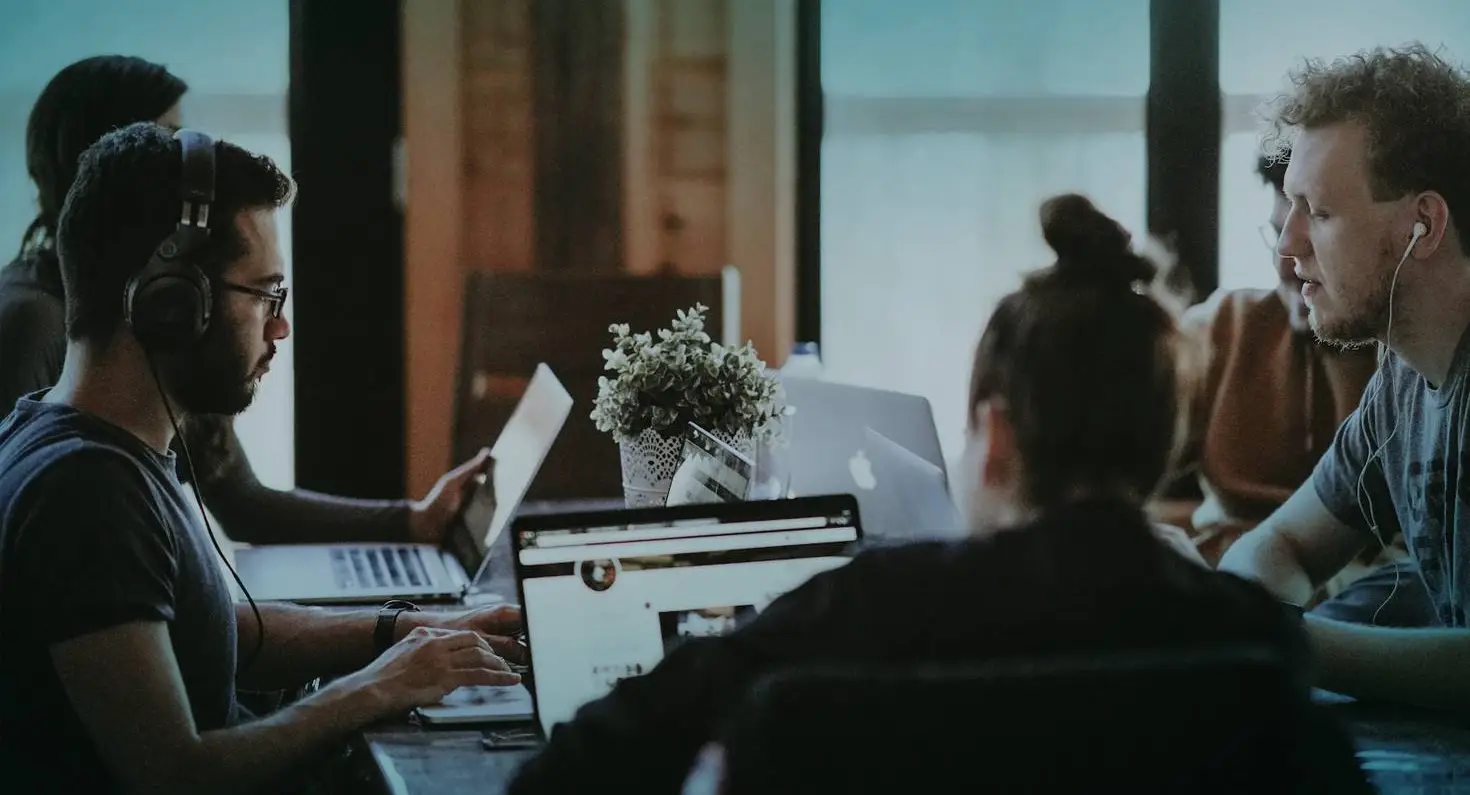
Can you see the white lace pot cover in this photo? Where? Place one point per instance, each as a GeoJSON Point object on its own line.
{"type": "Point", "coordinates": [650, 460]}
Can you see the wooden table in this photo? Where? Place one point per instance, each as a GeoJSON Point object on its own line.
{"type": "Point", "coordinates": [1403, 751]}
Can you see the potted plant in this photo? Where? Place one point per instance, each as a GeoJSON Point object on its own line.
{"type": "Point", "coordinates": [662, 382]}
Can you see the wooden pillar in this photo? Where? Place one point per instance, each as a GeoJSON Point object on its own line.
{"type": "Point", "coordinates": [434, 212]}
{"type": "Point", "coordinates": [577, 100]}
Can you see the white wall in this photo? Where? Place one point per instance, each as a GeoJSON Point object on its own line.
{"type": "Point", "coordinates": [234, 56]}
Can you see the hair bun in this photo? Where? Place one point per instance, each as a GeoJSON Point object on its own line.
{"type": "Point", "coordinates": [1089, 244]}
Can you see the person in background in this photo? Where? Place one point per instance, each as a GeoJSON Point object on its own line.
{"type": "Point", "coordinates": [79, 104]}
{"type": "Point", "coordinates": [1267, 407]}
{"type": "Point", "coordinates": [1379, 184]}
{"type": "Point", "coordinates": [1073, 417]}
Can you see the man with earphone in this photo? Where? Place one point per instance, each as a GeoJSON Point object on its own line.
{"type": "Point", "coordinates": [121, 646]}
{"type": "Point", "coordinates": [1268, 401]}
{"type": "Point", "coordinates": [1379, 229]}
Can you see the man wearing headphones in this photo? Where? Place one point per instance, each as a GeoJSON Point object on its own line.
{"type": "Point", "coordinates": [120, 636]}
{"type": "Point", "coordinates": [1379, 182]}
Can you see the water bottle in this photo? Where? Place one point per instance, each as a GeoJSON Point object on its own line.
{"type": "Point", "coordinates": [805, 361]}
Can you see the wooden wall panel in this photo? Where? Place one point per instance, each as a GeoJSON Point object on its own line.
{"type": "Point", "coordinates": [594, 135]}
{"type": "Point", "coordinates": [577, 101]}
{"type": "Point", "coordinates": [498, 124]}
{"type": "Point", "coordinates": [687, 132]}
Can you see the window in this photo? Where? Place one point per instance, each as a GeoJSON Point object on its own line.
{"type": "Point", "coordinates": [205, 44]}
{"type": "Point", "coordinates": [1261, 41]}
{"type": "Point", "coordinates": [948, 122]}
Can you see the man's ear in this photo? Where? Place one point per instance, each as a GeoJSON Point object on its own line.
{"type": "Point", "coordinates": [1433, 211]}
{"type": "Point", "coordinates": [1001, 460]}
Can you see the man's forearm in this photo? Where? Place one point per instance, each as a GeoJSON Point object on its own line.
{"type": "Point", "coordinates": [1417, 667]}
{"type": "Point", "coordinates": [303, 643]}
{"type": "Point", "coordinates": [1268, 558]}
{"type": "Point", "coordinates": [264, 754]}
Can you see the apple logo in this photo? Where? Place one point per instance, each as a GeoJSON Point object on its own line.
{"type": "Point", "coordinates": [862, 471]}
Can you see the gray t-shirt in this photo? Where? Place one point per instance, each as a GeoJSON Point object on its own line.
{"type": "Point", "coordinates": [96, 532]}
{"type": "Point", "coordinates": [1419, 479]}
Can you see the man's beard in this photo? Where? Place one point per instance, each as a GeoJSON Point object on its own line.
{"type": "Point", "coordinates": [212, 377]}
{"type": "Point", "coordinates": [1359, 327]}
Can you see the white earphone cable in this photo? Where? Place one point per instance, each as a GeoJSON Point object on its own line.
{"type": "Point", "coordinates": [1361, 492]}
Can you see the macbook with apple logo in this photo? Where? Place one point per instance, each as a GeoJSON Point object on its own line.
{"type": "Point", "coordinates": [878, 445]}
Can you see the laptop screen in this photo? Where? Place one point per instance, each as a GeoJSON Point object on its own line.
{"type": "Point", "coordinates": [518, 453]}
{"type": "Point", "coordinates": [606, 596]}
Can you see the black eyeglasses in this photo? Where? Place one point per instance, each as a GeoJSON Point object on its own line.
{"type": "Point", "coordinates": [1271, 236]}
{"type": "Point", "coordinates": [275, 300]}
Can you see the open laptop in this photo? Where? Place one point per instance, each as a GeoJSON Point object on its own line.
{"type": "Point", "coordinates": [605, 595]}
{"type": "Point", "coordinates": [832, 451]}
{"type": "Point", "coordinates": [362, 572]}
{"type": "Point", "coordinates": [910, 499]}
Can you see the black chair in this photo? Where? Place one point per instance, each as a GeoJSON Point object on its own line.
{"type": "Point", "coordinates": [1171, 722]}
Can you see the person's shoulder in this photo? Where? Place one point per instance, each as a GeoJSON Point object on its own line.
{"type": "Point", "coordinates": [34, 272]}
{"type": "Point", "coordinates": [1224, 595]}
{"type": "Point", "coordinates": [1226, 309]}
{"type": "Point", "coordinates": [51, 444]}
{"type": "Point", "coordinates": [938, 563]}
{"type": "Point", "coordinates": [29, 299]}
{"type": "Point", "coordinates": [881, 554]}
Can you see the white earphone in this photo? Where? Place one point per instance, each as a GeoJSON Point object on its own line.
{"type": "Point", "coordinates": [1420, 230]}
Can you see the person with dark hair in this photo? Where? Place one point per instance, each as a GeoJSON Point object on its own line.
{"type": "Point", "coordinates": [1379, 187]}
{"type": "Point", "coordinates": [78, 105]}
{"type": "Point", "coordinates": [1072, 421]}
{"type": "Point", "coordinates": [81, 103]}
{"type": "Point", "coordinates": [127, 667]}
{"type": "Point", "coordinates": [1265, 410]}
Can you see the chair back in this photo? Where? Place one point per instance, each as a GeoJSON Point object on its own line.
{"type": "Point", "coordinates": [514, 320]}
{"type": "Point", "coordinates": [1222, 721]}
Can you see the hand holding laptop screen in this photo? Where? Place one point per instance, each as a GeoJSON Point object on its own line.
{"type": "Point", "coordinates": [432, 518]}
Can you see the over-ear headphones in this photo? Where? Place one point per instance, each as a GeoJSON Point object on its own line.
{"type": "Point", "coordinates": [167, 304]}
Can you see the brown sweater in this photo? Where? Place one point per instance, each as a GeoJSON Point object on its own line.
{"type": "Point", "coordinates": [1266, 409]}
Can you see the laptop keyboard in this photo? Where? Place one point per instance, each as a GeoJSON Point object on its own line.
{"type": "Point", "coordinates": [378, 567]}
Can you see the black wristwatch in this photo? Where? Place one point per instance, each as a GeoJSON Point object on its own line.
{"type": "Point", "coordinates": [387, 620]}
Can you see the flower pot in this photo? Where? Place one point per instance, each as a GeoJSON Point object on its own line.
{"type": "Point", "coordinates": [650, 461]}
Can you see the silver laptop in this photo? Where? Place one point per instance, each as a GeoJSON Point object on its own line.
{"type": "Point", "coordinates": [351, 573]}
{"type": "Point", "coordinates": [605, 595]}
{"type": "Point", "coordinates": [831, 450]}
{"type": "Point", "coordinates": [910, 499]}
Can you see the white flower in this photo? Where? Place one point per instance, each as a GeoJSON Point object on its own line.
{"type": "Point", "coordinates": [665, 379]}
{"type": "Point", "coordinates": [616, 360]}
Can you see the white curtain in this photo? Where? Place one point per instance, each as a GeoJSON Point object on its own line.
{"type": "Point", "coordinates": [922, 235]}
{"type": "Point", "coordinates": [948, 122]}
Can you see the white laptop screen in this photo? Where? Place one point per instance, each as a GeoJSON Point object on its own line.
{"type": "Point", "coordinates": [604, 602]}
{"type": "Point", "coordinates": [521, 447]}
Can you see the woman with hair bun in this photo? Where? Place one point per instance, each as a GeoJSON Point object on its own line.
{"type": "Point", "coordinates": [1073, 416]}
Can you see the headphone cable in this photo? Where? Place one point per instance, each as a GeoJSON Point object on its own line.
{"type": "Point", "coordinates": [204, 514]}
